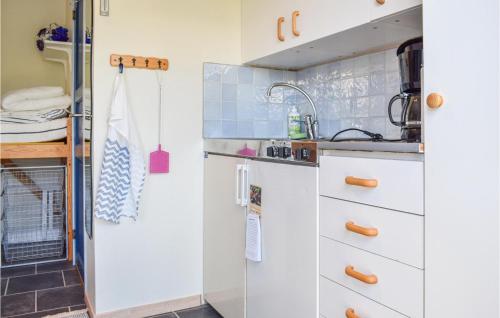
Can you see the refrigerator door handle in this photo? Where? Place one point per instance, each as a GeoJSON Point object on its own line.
{"type": "Point", "coordinates": [244, 186]}
{"type": "Point", "coordinates": [238, 184]}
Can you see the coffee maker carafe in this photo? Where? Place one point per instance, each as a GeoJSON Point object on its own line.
{"type": "Point", "coordinates": [410, 55]}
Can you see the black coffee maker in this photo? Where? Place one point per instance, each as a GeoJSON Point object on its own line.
{"type": "Point", "coordinates": [410, 55]}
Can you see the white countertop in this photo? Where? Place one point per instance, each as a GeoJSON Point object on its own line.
{"type": "Point", "coordinates": [378, 146]}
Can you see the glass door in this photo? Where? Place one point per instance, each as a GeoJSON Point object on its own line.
{"type": "Point", "coordinates": [82, 128]}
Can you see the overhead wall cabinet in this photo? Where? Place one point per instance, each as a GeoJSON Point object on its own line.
{"type": "Point", "coordinates": [272, 26]}
{"type": "Point", "coordinates": [383, 8]}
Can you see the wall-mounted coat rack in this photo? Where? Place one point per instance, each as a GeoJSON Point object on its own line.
{"type": "Point", "coordinates": [130, 61]}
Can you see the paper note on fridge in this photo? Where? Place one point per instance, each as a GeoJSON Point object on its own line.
{"type": "Point", "coordinates": [253, 238]}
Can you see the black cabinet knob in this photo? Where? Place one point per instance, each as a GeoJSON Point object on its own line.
{"type": "Point", "coordinates": [284, 152]}
{"type": "Point", "coordinates": [272, 151]}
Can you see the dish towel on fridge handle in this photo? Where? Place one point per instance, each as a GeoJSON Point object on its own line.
{"type": "Point", "coordinates": [123, 167]}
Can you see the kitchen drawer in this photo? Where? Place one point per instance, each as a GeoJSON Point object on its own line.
{"type": "Point", "coordinates": [396, 235]}
{"type": "Point", "coordinates": [393, 284]}
{"type": "Point", "coordinates": [335, 300]}
{"type": "Point", "coordinates": [392, 184]}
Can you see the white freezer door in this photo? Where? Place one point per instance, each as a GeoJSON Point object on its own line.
{"type": "Point", "coordinates": [284, 284]}
{"type": "Point", "coordinates": [224, 236]}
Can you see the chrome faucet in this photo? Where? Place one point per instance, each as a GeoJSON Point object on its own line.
{"type": "Point", "coordinates": [312, 126]}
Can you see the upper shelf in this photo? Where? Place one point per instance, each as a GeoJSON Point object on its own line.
{"type": "Point", "coordinates": [62, 52]}
{"type": "Point", "coordinates": [66, 47]}
{"type": "Point", "coordinates": [375, 36]}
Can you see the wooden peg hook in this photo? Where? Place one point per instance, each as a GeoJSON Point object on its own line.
{"type": "Point", "coordinates": [130, 61]}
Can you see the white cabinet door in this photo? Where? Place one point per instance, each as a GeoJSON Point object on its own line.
{"type": "Point", "coordinates": [317, 19]}
{"type": "Point", "coordinates": [223, 237]}
{"type": "Point", "coordinates": [378, 11]}
{"type": "Point", "coordinates": [320, 18]}
{"type": "Point", "coordinates": [259, 27]}
{"type": "Point", "coordinates": [284, 284]}
{"type": "Point", "coordinates": [462, 172]}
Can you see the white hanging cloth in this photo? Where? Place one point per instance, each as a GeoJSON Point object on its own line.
{"type": "Point", "coordinates": [123, 167]}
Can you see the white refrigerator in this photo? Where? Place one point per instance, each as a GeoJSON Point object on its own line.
{"type": "Point", "coordinates": [285, 282]}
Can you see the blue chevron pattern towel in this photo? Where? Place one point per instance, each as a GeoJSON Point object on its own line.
{"type": "Point", "coordinates": [123, 167]}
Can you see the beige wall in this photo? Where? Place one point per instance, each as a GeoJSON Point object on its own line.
{"type": "Point", "coordinates": [159, 257]}
{"type": "Point", "coordinates": [22, 63]}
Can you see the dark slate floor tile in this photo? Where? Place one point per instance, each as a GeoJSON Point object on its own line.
{"type": "Point", "coordinates": [55, 266]}
{"type": "Point", "coordinates": [17, 304]}
{"type": "Point", "coordinates": [40, 314]}
{"type": "Point", "coordinates": [3, 286]}
{"type": "Point", "coordinates": [72, 277]}
{"type": "Point", "coordinates": [17, 271]}
{"type": "Point", "coordinates": [79, 307]}
{"type": "Point", "coordinates": [34, 282]}
{"type": "Point", "coordinates": [204, 311]}
{"type": "Point", "coordinates": [60, 297]}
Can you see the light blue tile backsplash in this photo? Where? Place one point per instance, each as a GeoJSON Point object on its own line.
{"type": "Point", "coordinates": [236, 105]}
{"type": "Point", "coordinates": [349, 93]}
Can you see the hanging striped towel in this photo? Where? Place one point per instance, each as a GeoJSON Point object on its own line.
{"type": "Point", "coordinates": [123, 167]}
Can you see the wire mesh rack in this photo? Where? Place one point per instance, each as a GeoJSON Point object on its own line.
{"type": "Point", "coordinates": [33, 213]}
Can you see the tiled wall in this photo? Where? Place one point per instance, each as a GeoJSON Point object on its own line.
{"type": "Point", "coordinates": [349, 93]}
{"type": "Point", "coordinates": [235, 105]}
{"type": "Point", "coordinates": [353, 93]}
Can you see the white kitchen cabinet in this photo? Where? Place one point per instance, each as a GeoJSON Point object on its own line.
{"type": "Point", "coordinates": [284, 283]}
{"type": "Point", "coordinates": [389, 7]}
{"type": "Point", "coordinates": [260, 24]}
{"type": "Point", "coordinates": [318, 19]}
{"type": "Point", "coordinates": [461, 45]}
{"type": "Point", "coordinates": [321, 18]}
{"type": "Point", "coordinates": [224, 236]}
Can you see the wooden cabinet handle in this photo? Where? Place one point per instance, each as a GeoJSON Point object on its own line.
{"type": "Point", "coordinates": [366, 231]}
{"type": "Point", "coordinates": [281, 37]}
{"type": "Point", "coordinates": [349, 313]}
{"type": "Point", "coordinates": [435, 100]}
{"type": "Point", "coordinates": [367, 279]}
{"type": "Point", "coordinates": [381, 2]}
{"type": "Point", "coordinates": [295, 14]}
{"type": "Point", "coordinates": [367, 183]}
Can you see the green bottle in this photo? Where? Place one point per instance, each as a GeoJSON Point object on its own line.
{"type": "Point", "coordinates": [294, 130]}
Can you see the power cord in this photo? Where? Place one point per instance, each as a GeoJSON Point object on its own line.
{"type": "Point", "coordinates": [372, 136]}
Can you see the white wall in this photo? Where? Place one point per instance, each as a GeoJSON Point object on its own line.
{"type": "Point", "coordinates": [23, 64]}
{"type": "Point", "coordinates": [159, 257]}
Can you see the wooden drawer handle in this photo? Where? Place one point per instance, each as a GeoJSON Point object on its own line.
{"type": "Point", "coordinates": [281, 37]}
{"type": "Point", "coordinates": [367, 183]}
{"type": "Point", "coordinates": [295, 14]}
{"type": "Point", "coordinates": [349, 313]}
{"type": "Point", "coordinates": [366, 231]}
{"type": "Point", "coordinates": [434, 100]}
{"type": "Point", "coordinates": [381, 2]}
{"type": "Point", "coordinates": [367, 279]}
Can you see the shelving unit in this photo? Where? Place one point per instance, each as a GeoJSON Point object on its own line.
{"type": "Point", "coordinates": [62, 52]}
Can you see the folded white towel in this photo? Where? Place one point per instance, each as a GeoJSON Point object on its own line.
{"type": "Point", "coordinates": [60, 102]}
{"type": "Point", "coordinates": [38, 92]}
{"type": "Point", "coordinates": [32, 116]}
